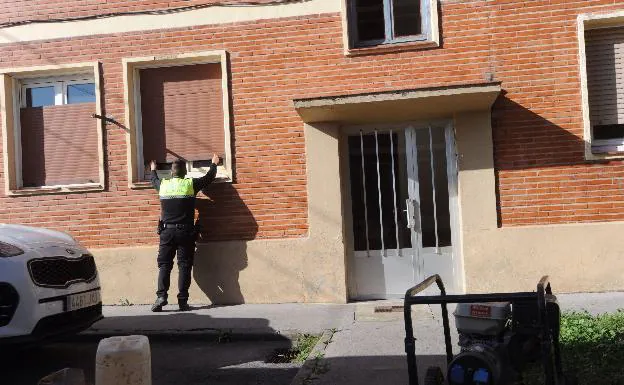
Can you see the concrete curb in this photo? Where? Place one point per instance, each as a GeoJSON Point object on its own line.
{"type": "Point", "coordinates": [212, 335]}
{"type": "Point", "coordinates": [310, 368]}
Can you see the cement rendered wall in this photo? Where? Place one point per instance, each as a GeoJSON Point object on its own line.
{"type": "Point", "coordinates": [577, 257]}
{"type": "Point", "coordinates": [310, 269]}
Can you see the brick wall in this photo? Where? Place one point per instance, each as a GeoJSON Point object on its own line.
{"type": "Point", "coordinates": [531, 46]}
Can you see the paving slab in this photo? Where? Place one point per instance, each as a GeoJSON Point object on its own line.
{"type": "Point", "coordinates": [284, 319]}
{"type": "Point", "coordinates": [595, 303]}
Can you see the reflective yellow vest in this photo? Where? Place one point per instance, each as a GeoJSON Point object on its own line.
{"type": "Point", "coordinates": [176, 188]}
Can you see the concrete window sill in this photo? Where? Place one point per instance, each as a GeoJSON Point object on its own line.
{"type": "Point", "coordinates": [148, 185]}
{"type": "Point", "coordinates": [390, 48]}
{"type": "Point", "coordinates": [29, 191]}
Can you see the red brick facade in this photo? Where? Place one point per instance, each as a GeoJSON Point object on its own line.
{"type": "Point", "coordinates": [529, 46]}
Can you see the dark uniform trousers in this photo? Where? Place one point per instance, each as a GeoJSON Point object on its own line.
{"type": "Point", "coordinates": [177, 232]}
{"type": "Point", "coordinates": [182, 241]}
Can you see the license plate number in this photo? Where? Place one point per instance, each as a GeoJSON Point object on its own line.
{"type": "Point", "coordinates": [80, 301]}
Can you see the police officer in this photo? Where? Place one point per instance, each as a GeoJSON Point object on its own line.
{"type": "Point", "coordinates": [177, 228]}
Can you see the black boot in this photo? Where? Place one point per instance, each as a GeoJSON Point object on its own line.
{"type": "Point", "coordinates": [158, 305]}
{"type": "Point", "coordinates": [184, 306]}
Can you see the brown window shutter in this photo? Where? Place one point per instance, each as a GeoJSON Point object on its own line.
{"type": "Point", "coordinates": [59, 145]}
{"type": "Point", "coordinates": [605, 75]}
{"type": "Point", "coordinates": [182, 112]}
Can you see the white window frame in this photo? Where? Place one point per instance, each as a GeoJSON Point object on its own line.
{"type": "Point", "coordinates": [59, 83]}
{"type": "Point", "coordinates": [429, 36]}
{"type": "Point", "coordinates": [134, 134]}
{"type": "Point", "coordinates": [13, 83]}
{"type": "Point", "coordinates": [614, 148]}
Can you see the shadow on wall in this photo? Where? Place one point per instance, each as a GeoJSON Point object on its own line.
{"type": "Point", "coordinates": [524, 140]}
{"type": "Point", "coordinates": [223, 217]}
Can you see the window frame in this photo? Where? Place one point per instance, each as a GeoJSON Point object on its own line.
{"type": "Point", "coordinates": [429, 36]}
{"type": "Point", "coordinates": [59, 83]}
{"type": "Point", "coordinates": [389, 25]}
{"type": "Point", "coordinates": [13, 85]}
{"type": "Point", "coordinates": [613, 148]}
{"type": "Point", "coordinates": [132, 96]}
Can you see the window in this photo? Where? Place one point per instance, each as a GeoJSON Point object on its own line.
{"type": "Point", "coordinates": [378, 22]}
{"type": "Point", "coordinates": [53, 142]}
{"type": "Point", "coordinates": [56, 127]}
{"type": "Point", "coordinates": [181, 113]}
{"type": "Point", "coordinates": [51, 92]}
{"type": "Point", "coordinates": [605, 83]}
{"type": "Point", "coordinates": [178, 108]}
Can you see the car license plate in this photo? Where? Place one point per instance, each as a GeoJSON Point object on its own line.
{"type": "Point", "coordinates": [82, 300]}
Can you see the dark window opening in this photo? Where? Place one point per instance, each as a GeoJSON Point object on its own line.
{"type": "Point", "coordinates": [387, 21]}
{"type": "Point", "coordinates": [370, 20]}
{"type": "Point", "coordinates": [407, 18]}
{"type": "Point", "coordinates": [609, 131]}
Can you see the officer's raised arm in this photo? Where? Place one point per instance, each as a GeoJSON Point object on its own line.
{"type": "Point", "coordinates": [154, 176]}
{"type": "Point", "coordinates": [201, 183]}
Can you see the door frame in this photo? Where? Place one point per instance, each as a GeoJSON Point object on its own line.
{"type": "Point", "coordinates": [453, 185]}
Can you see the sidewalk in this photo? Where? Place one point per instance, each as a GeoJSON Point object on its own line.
{"type": "Point", "coordinates": [248, 320]}
{"type": "Point", "coordinates": [372, 351]}
{"type": "Point", "coordinates": [367, 346]}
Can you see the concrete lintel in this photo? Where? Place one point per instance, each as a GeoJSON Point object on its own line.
{"type": "Point", "coordinates": [399, 105]}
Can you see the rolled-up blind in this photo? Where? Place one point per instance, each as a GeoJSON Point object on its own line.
{"type": "Point", "coordinates": [59, 145]}
{"type": "Point", "coordinates": [182, 112]}
{"type": "Point", "coordinates": [605, 79]}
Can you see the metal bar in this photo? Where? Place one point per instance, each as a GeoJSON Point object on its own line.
{"type": "Point", "coordinates": [396, 217]}
{"type": "Point", "coordinates": [410, 346]}
{"type": "Point", "coordinates": [547, 358]}
{"type": "Point", "coordinates": [381, 228]}
{"type": "Point", "coordinates": [447, 333]}
{"type": "Point", "coordinates": [364, 188]}
{"type": "Point", "coordinates": [435, 205]}
{"type": "Point", "coordinates": [468, 298]}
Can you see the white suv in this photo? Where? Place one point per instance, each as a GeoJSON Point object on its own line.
{"type": "Point", "coordinates": [49, 285]}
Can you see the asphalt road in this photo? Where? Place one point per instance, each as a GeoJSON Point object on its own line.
{"type": "Point", "coordinates": [178, 360]}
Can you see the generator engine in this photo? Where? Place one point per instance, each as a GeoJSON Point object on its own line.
{"type": "Point", "coordinates": [497, 340]}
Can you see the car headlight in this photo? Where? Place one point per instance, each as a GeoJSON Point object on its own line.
{"type": "Point", "coordinates": [8, 250]}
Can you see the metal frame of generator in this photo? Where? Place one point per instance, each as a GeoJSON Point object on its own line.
{"type": "Point", "coordinates": [533, 317]}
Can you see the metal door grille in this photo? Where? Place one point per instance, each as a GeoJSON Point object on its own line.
{"type": "Point", "coordinates": [379, 193]}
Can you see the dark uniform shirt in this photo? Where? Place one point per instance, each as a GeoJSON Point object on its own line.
{"type": "Point", "coordinates": [179, 208]}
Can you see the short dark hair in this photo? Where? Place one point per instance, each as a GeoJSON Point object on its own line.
{"type": "Point", "coordinates": [179, 166]}
{"type": "Point", "coordinates": [179, 163]}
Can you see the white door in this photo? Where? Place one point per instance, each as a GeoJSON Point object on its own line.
{"type": "Point", "coordinates": [403, 197]}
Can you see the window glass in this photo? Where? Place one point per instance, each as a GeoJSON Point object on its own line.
{"type": "Point", "coordinates": [40, 96]}
{"type": "Point", "coordinates": [81, 93]}
{"type": "Point", "coordinates": [370, 19]}
{"type": "Point", "coordinates": [406, 15]}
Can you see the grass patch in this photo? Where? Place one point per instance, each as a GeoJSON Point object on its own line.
{"type": "Point", "coordinates": [304, 345]}
{"type": "Point", "coordinates": [298, 353]}
{"type": "Point", "coordinates": [592, 348]}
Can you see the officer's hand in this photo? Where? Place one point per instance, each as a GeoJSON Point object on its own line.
{"type": "Point", "coordinates": [215, 159]}
{"type": "Point", "coordinates": [153, 165]}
